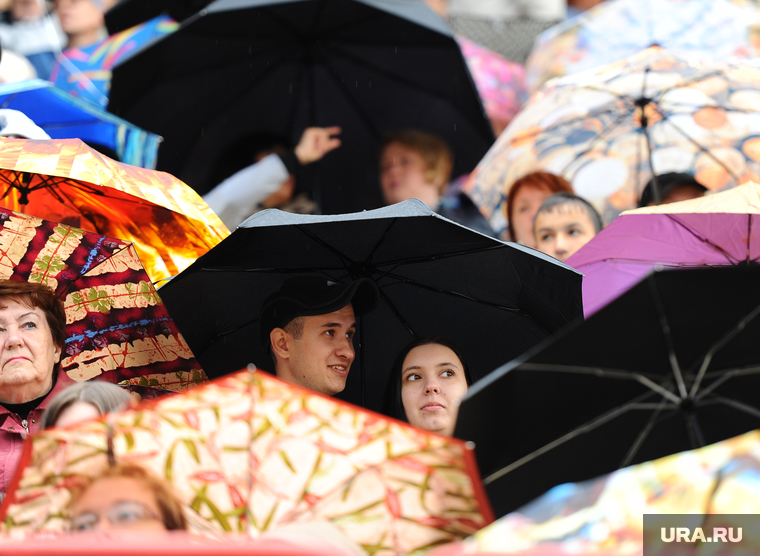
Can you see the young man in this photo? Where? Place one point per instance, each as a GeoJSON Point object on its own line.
{"type": "Point", "coordinates": [308, 326]}
{"type": "Point", "coordinates": [564, 223]}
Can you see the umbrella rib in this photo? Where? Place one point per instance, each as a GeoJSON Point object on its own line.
{"type": "Point", "coordinates": [604, 373]}
{"type": "Point", "coordinates": [583, 429]}
{"type": "Point", "coordinates": [741, 406]}
{"type": "Point", "coordinates": [642, 436]}
{"type": "Point", "coordinates": [441, 256]}
{"type": "Point", "coordinates": [725, 376]}
{"type": "Point", "coordinates": [696, 438]}
{"type": "Point", "coordinates": [329, 247]}
{"type": "Point", "coordinates": [730, 335]}
{"type": "Point", "coordinates": [703, 239]}
{"type": "Point", "coordinates": [351, 100]}
{"type": "Point", "coordinates": [715, 159]}
{"type": "Point", "coordinates": [665, 326]}
{"type": "Point", "coordinates": [749, 237]}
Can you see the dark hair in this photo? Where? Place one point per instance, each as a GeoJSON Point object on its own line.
{"type": "Point", "coordinates": [538, 180]}
{"type": "Point", "coordinates": [41, 296]}
{"type": "Point", "coordinates": [104, 396]}
{"type": "Point", "coordinates": [562, 199]}
{"type": "Point", "coordinates": [393, 406]}
{"type": "Point", "coordinates": [667, 183]}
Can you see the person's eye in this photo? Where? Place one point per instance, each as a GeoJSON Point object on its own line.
{"type": "Point", "coordinates": [126, 515]}
{"type": "Point", "coordinates": [447, 373]}
{"type": "Point", "coordinates": [29, 325]}
{"type": "Point", "coordinates": [573, 232]}
{"type": "Point", "coordinates": [330, 333]}
{"type": "Point", "coordinates": [350, 334]}
{"type": "Point", "coordinates": [523, 209]}
{"type": "Point", "coordinates": [84, 522]}
{"type": "Point", "coordinates": [544, 237]}
{"type": "Point", "coordinates": [412, 377]}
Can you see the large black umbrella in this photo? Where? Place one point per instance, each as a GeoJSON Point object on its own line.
{"type": "Point", "coordinates": [436, 278]}
{"type": "Point", "coordinates": [669, 366]}
{"type": "Point", "coordinates": [242, 67]}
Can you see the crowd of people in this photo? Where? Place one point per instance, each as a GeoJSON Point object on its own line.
{"type": "Point", "coordinates": [307, 325]}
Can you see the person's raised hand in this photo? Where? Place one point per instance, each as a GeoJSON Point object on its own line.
{"type": "Point", "coordinates": [316, 142]}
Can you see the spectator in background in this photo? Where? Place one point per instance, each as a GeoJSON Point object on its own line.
{"type": "Point", "coordinates": [417, 164]}
{"type": "Point", "coordinates": [523, 200]}
{"type": "Point", "coordinates": [127, 498]}
{"type": "Point", "coordinates": [564, 223]}
{"type": "Point", "coordinates": [83, 21]}
{"type": "Point", "coordinates": [270, 181]}
{"type": "Point", "coordinates": [32, 32]}
{"type": "Point", "coordinates": [84, 401]}
{"type": "Point", "coordinates": [673, 187]}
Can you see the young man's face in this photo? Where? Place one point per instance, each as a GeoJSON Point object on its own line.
{"type": "Point", "coordinates": [79, 16]}
{"type": "Point", "coordinates": [564, 230]}
{"type": "Point", "coordinates": [321, 358]}
{"type": "Point", "coordinates": [403, 174]}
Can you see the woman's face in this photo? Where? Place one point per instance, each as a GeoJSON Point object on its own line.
{"type": "Point", "coordinates": [526, 204]}
{"type": "Point", "coordinates": [27, 353]}
{"type": "Point", "coordinates": [403, 175]}
{"type": "Point", "coordinates": [432, 383]}
{"type": "Point", "coordinates": [117, 504]}
{"type": "Point", "coordinates": [76, 413]}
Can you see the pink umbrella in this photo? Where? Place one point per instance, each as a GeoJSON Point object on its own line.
{"type": "Point", "coordinates": [720, 229]}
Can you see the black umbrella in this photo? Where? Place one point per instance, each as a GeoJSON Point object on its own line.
{"type": "Point", "coordinates": [128, 13]}
{"type": "Point", "coordinates": [242, 67]}
{"type": "Point", "coordinates": [669, 366]}
{"type": "Point", "coordinates": [436, 278]}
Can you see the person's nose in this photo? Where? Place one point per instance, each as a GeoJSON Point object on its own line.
{"type": "Point", "coordinates": [432, 387]}
{"type": "Point", "coordinates": [13, 336]}
{"type": "Point", "coordinates": [345, 349]}
{"type": "Point", "coordinates": [560, 244]}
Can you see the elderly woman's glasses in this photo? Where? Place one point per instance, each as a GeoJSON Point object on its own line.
{"type": "Point", "coordinates": [121, 515]}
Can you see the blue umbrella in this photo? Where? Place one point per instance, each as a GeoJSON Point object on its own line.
{"type": "Point", "coordinates": [63, 116]}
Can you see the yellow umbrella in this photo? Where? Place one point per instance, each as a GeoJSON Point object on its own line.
{"type": "Point", "coordinates": [66, 181]}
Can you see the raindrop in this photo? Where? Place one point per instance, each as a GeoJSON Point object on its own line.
{"type": "Point", "coordinates": [396, 52]}
{"type": "Point", "coordinates": [455, 127]}
{"type": "Point", "coordinates": [290, 88]}
{"type": "Point", "coordinates": [357, 84]}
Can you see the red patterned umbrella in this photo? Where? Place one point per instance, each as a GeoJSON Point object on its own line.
{"type": "Point", "coordinates": [117, 327]}
{"type": "Point", "coordinates": [249, 453]}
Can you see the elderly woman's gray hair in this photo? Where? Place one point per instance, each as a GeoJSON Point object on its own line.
{"type": "Point", "coordinates": [104, 396]}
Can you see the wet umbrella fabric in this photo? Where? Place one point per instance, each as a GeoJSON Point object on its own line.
{"type": "Point", "coordinates": [706, 29]}
{"type": "Point", "coordinates": [248, 453]}
{"type": "Point", "coordinates": [66, 181]}
{"type": "Point", "coordinates": [436, 278]}
{"type": "Point", "coordinates": [606, 129]}
{"type": "Point", "coordinates": [117, 328]}
{"type": "Point", "coordinates": [242, 67]}
{"type": "Point", "coordinates": [671, 365]}
{"type": "Point", "coordinates": [716, 230]}
{"type": "Point", "coordinates": [63, 116]}
{"type": "Point", "coordinates": [606, 515]}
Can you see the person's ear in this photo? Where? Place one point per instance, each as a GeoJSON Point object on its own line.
{"type": "Point", "coordinates": [280, 341]}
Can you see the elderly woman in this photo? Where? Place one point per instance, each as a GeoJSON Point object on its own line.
{"type": "Point", "coordinates": [32, 336]}
{"type": "Point", "coordinates": [84, 401]}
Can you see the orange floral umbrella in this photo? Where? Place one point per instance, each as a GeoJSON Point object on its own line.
{"type": "Point", "coordinates": [117, 327]}
{"type": "Point", "coordinates": [66, 181]}
{"type": "Point", "coordinates": [249, 453]}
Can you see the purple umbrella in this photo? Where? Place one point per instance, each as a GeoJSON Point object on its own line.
{"type": "Point", "coordinates": [720, 229]}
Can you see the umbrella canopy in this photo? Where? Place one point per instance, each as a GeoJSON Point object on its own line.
{"type": "Point", "coordinates": [436, 278]}
{"type": "Point", "coordinates": [606, 515]}
{"type": "Point", "coordinates": [67, 181]}
{"type": "Point", "coordinates": [128, 13]}
{"type": "Point", "coordinates": [269, 66]}
{"type": "Point", "coordinates": [63, 116]}
{"type": "Point", "coordinates": [616, 29]}
{"type": "Point", "coordinates": [716, 230]}
{"type": "Point", "coordinates": [670, 365]}
{"type": "Point", "coordinates": [249, 453]}
{"type": "Point", "coordinates": [607, 130]}
{"type": "Point", "coordinates": [117, 328]}
{"type": "Point", "coordinates": [86, 72]}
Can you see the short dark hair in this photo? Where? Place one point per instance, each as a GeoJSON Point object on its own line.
{"type": "Point", "coordinates": [31, 294]}
{"type": "Point", "coordinates": [667, 183]}
{"type": "Point", "coordinates": [393, 406]}
{"type": "Point", "coordinates": [562, 199]}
